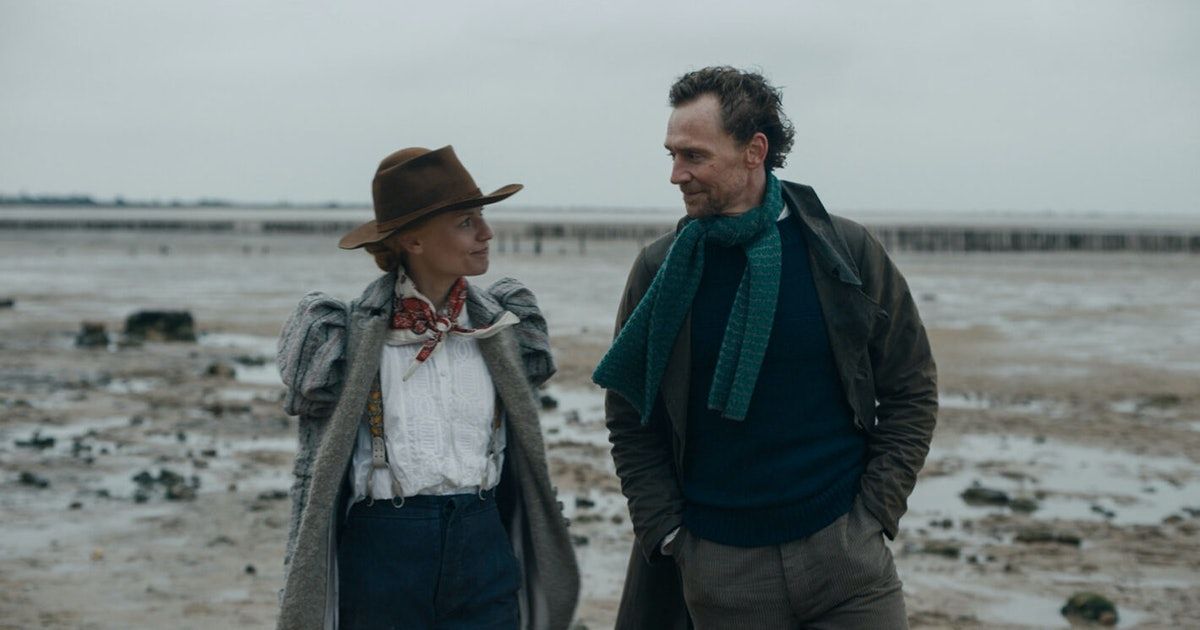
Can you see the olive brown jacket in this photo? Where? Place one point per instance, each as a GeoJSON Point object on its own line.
{"type": "Point", "coordinates": [888, 378]}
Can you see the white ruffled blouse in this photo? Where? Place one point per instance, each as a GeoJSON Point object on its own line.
{"type": "Point", "coordinates": [438, 425]}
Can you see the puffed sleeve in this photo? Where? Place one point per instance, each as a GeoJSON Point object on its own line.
{"type": "Point", "coordinates": [533, 338]}
{"type": "Point", "coordinates": [311, 355]}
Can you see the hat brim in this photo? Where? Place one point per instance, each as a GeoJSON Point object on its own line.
{"type": "Point", "coordinates": [368, 232]}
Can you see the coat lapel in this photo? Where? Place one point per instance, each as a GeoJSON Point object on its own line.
{"type": "Point", "coordinates": [675, 381]}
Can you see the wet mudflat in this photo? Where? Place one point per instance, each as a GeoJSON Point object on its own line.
{"type": "Point", "coordinates": [146, 485]}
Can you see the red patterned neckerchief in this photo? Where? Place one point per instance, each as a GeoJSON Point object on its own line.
{"type": "Point", "coordinates": [415, 321]}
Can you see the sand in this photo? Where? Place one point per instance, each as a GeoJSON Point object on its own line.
{"type": "Point", "coordinates": [1070, 380]}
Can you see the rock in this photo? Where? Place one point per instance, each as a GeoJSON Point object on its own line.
{"type": "Point", "coordinates": [36, 441]}
{"type": "Point", "coordinates": [581, 502]}
{"type": "Point", "coordinates": [160, 326]}
{"type": "Point", "coordinates": [180, 492]}
{"type": "Point", "coordinates": [273, 495]}
{"type": "Point", "coordinates": [1033, 535]}
{"type": "Point", "coordinates": [944, 548]}
{"type": "Point", "coordinates": [75, 505]}
{"type": "Point", "coordinates": [222, 540]}
{"type": "Point", "coordinates": [32, 480]}
{"type": "Point", "coordinates": [1023, 504]}
{"type": "Point", "coordinates": [979, 495]}
{"type": "Point", "coordinates": [208, 452]}
{"type": "Point", "coordinates": [220, 370]}
{"type": "Point", "coordinates": [548, 402]}
{"type": "Point", "coordinates": [7, 302]}
{"type": "Point", "coordinates": [579, 541]}
{"type": "Point", "coordinates": [175, 486]}
{"type": "Point", "coordinates": [144, 478]}
{"type": "Point", "coordinates": [250, 570]}
{"type": "Point", "coordinates": [1102, 511]}
{"type": "Point", "coordinates": [1086, 606]}
{"type": "Point", "coordinates": [91, 335]}
{"type": "Point", "coordinates": [254, 361]}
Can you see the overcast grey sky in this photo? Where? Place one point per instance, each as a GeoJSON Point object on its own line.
{"type": "Point", "coordinates": [1024, 105]}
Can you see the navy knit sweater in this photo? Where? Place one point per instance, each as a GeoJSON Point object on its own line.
{"type": "Point", "coordinates": [793, 465]}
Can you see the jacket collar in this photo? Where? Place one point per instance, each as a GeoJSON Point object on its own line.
{"type": "Point", "coordinates": [805, 207]}
{"type": "Point", "coordinates": [376, 300]}
{"type": "Point", "coordinates": [831, 250]}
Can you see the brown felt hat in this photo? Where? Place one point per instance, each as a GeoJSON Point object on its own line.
{"type": "Point", "coordinates": [416, 182]}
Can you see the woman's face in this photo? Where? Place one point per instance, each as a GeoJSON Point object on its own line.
{"type": "Point", "coordinates": [449, 245]}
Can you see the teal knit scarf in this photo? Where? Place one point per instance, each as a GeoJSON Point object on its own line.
{"type": "Point", "coordinates": [634, 365]}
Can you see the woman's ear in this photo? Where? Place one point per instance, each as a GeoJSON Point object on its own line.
{"type": "Point", "coordinates": [409, 242]}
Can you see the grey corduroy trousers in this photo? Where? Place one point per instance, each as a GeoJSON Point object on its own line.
{"type": "Point", "coordinates": [841, 577]}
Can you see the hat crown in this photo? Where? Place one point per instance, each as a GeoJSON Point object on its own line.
{"type": "Point", "coordinates": [417, 182]}
{"type": "Point", "coordinates": [412, 181]}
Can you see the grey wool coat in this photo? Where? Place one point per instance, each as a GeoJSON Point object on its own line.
{"type": "Point", "coordinates": [328, 357]}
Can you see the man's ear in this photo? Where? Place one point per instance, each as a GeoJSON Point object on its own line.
{"type": "Point", "coordinates": [756, 150]}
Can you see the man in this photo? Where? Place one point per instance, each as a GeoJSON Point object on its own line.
{"type": "Point", "coordinates": [771, 392]}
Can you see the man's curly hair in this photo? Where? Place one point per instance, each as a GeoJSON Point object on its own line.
{"type": "Point", "coordinates": [749, 105]}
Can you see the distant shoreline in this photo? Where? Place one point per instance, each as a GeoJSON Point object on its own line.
{"type": "Point", "coordinates": [87, 201]}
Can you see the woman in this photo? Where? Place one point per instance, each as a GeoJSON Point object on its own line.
{"type": "Point", "coordinates": [421, 495]}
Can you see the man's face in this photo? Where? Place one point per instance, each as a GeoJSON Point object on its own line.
{"type": "Point", "coordinates": [708, 164]}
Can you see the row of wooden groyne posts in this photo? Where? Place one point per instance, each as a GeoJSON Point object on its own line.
{"type": "Point", "coordinates": [535, 237]}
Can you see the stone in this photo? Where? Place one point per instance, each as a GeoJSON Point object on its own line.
{"type": "Point", "coordinates": [1034, 535]}
{"type": "Point", "coordinates": [273, 495]}
{"type": "Point", "coordinates": [7, 302]}
{"type": "Point", "coordinates": [979, 495]}
{"type": "Point", "coordinates": [33, 481]}
{"type": "Point", "coordinates": [1088, 606]}
{"type": "Point", "coordinates": [160, 326]}
{"type": "Point", "coordinates": [220, 370]}
{"type": "Point", "coordinates": [1023, 504]}
{"type": "Point", "coordinates": [548, 402]}
{"type": "Point", "coordinates": [36, 441]}
{"type": "Point", "coordinates": [250, 360]}
{"type": "Point", "coordinates": [92, 335]}
{"type": "Point", "coordinates": [944, 548]}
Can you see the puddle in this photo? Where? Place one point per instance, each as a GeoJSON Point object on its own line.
{"type": "Point", "coordinates": [63, 434]}
{"type": "Point", "coordinates": [1137, 489]}
{"type": "Point", "coordinates": [132, 385]}
{"type": "Point", "coordinates": [1002, 605]}
{"type": "Point", "coordinates": [254, 344]}
{"type": "Point", "coordinates": [579, 417]}
{"type": "Point", "coordinates": [1033, 406]}
{"type": "Point", "coordinates": [266, 374]}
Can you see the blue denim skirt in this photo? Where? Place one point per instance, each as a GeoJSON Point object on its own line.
{"type": "Point", "coordinates": [434, 562]}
